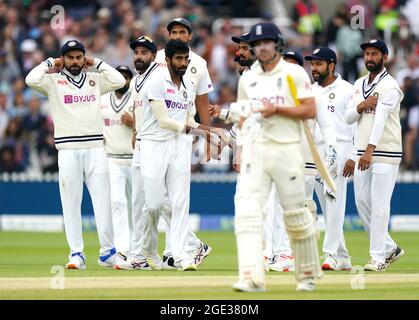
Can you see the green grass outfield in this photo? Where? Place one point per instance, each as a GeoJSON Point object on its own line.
{"type": "Point", "coordinates": [26, 261]}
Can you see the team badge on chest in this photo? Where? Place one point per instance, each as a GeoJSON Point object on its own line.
{"type": "Point", "coordinates": [332, 96]}
{"type": "Point", "coordinates": [279, 83]}
{"type": "Point", "coordinates": [92, 83]}
{"type": "Point", "coordinates": [185, 95]}
{"type": "Point", "coordinates": [193, 70]}
{"type": "Point", "coordinates": [375, 94]}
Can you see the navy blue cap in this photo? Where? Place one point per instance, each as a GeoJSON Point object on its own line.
{"type": "Point", "coordinates": [322, 53]}
{"type": "Point", "coordinates": [182, 21]}
{"type": "Point", "coordinates": [72, 45]}
{"type": "Point", "coordinates": [376, 43]}
{"type": "Point", "coordinates": [144, 41]}
{"type": "Point", "coordinates": [266, 31]}
{"type": "Point", "coordinates": [294, 55]}
{"type": "Point", "coordinates": [124, 68]}
{"type": "Point", "coordinates": [243, 38]}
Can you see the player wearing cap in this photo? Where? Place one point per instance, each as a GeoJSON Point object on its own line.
{"type": "Point", "coordinates": [117, 109]}
{"type": "Point", "coordinates": [74, 96]}
{"type": "Point", "coordinates": [197, 72]}
{"type": "Point", "coordinates": [270, 138]}
{"type": "Point", "coordinates": [375, 107]}
{"type": "Point", "coordinates": [335, 94]}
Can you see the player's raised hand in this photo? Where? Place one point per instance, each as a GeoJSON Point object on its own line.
{"type": "Point", "coordinates": [88, 62]}
{"type": "Point", "coordinates": [59, 63]}
{"type": "Point", "coordinates": [369, 103]}
{"type": "Point", "coordinates": [214, 110]}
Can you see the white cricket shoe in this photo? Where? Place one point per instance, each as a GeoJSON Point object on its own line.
{"type": "Point", "coordinates": [283, 263]}
{"type": "Point", "coordinates": [394, 255]}
{"type": "Point", "coordinates": [155, 262]}
{"type": "Point", "coordinates": [111, 260]}
{"type": "Point", "coordinates": [373, 265]}
{"type": "Point", "coordinates": [133, 265]}
{"type": "Point", "coordinates": [268, 261]}
{"type": "Point", "coordinates": [199, 254]}
{"type": "Point", "coordinates": [306, 285]}
{"type": "Point", "coordinates": [246, 286]}
{"type": "Point", "coordinates": [77, 261]}
{"type": "Point", "coordinates": [169, 263]}
{"type": "Point", "coordinates": [335, 263]}
{"type": "Point", "coordinates": [187, 265]}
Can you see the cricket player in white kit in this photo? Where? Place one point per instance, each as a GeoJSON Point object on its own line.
{"type": "Point", "coordinates": [272, 152]}
{"type": "Point", "coordinates": [335, 95]}
{"type": "Point", "coordinates": [74, 96]}
{"type": "Point", "coordinates": [197, 73]}
{"type": "Point", "coordinates": [164, 160]}
{"type": "Point", "coordinates": [117, 109]}
{"type": "Point", "coordinates": [375, 107]}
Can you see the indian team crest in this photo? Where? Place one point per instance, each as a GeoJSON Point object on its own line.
{"type": "Point", "coordinates": [185, 95]}
{"type": "Point", "coordinates": [332, 96]}
{"type": "Point", "coordinates": [193, 70]}
{"type": "Point", "coordinates": [92, 83]}
{"type": "Point", "coordinates": [375, 94]}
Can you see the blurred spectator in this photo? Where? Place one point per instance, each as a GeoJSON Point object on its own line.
{"type": "Point", "coordinates": [411, 70]}
{"type": "Point", "coordinates": [307, 20]}
{"type": "Point", "coordinates": [27, 48]}
{"type": "Point", "coordinates": [154, 14]}
{"type": "Point", "coordinates": [337, 21]}
{"type": "Point", "coordinates": [48, 154]}
{"type": "Point", "coordinates": [33, 121]}
{"type": "Point", "coordinates": [410, 158]}
{"type": "Point", "coordinates": [9, 69]}
{"type": "Point", "coordinates": [386, 18]}
{"type": "Point", "coordinates": [16, 147]}
{"type": "Point", "coordinates": [4, 116]}
{"type": "Point", "coordinates": [410, 11]}
{"type": "Point", "coordinates": [347, 45]}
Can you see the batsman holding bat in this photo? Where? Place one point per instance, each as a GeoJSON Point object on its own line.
{"type": "Point", "coordinates": [273, 153]}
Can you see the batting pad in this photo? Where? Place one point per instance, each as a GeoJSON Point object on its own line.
{"type": "Point", "coordinates": [301, 230]}
{"type": "Point", "coordinates": [249, 236]}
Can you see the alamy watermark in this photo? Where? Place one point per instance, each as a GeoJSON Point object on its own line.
{"type": "Point", "coordinates": [58, 19]}
{"type": "Point", "coordinates": [358, 280]}
{"type": "Point", "coordinates": [58, 278]}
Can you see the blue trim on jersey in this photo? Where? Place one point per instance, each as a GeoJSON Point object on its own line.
{"type": "Point", "coordinates": [106, 257]}
{"type": "Point", "coordinates": [79, 84]}
{"type": "Point", "coordinates": [95, 137]}
{"type": "Point", "coordinates": [385, 154]}
{"type": "Point", "coordinates": [75, 137]}
{"type": "Point", "coordinates": [99, 65]}
{"type": "Point", "coordinates": [366, 93]}
{"type": "Point", "coordinates": [124, 101]}
{"type": "Point", "coordinates": [138, 86]}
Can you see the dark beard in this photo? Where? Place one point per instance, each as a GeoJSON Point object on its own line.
{"type": "Point", "coordinates": [141, 67]}
{"type": "Point", "coordinates": [74, 70]}
{"type": "Point", "coordinates": [321, 77]}
{"type": "Point", "coordinates": [245, 62]}
{"type": "Point", "coordinates": [122, 90]}
{"type": "Point", "coordinates": [376, 67]}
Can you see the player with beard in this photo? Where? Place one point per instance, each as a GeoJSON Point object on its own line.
{"type": "Point", "coordinates": [334, 94]}
{"type": "Point", "coordinates": [117, 108]}
{"type": "Point", "coordinates": [74, 96]}
{"type": "Point", "coordinates": [375, 107]}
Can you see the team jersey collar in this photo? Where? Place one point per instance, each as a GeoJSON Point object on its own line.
{"type": "Point", "coordinates": [367, 89]}
{"type": "Point", "coordinates": [77, 81]}
{"type": "Point", "coordinates": [279, 67]}
{"type": "Point", "coordinates": [169, 79]}
{"type": "Point", "coordinates": [75, 78]}
{"type": "Point", "coordinates": [140, 79]}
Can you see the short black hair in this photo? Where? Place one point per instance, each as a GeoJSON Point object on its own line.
{"type": "Point", "coordinates": [175, 46]}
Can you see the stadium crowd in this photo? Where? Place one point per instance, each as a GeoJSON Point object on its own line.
{"type": "Point", "coordinates": [30, 33]}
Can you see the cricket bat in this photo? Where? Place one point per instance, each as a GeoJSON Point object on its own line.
{"type": "Point", "coordinates": [320, 165]}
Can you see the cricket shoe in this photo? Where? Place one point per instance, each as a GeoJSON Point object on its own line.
{"type": "Point", "coordinates": [111, 260]}
{"type": "Point", "coordinates": [306, 285]}
{"type": "Point", "coordinates": [200, 253]}
{"type": "Point", "coordinates": [283, 263]}
{"type": "Point", "coordinates": [133, 265]}
{"type": "Point", "coordinates": [335, 263]}
{"type": "Point", "coordinates": [155, 262]}
{"type": "Point", "coordinates": [248, 286]}
{"type": "Point", "coordinates": [268, 261]}
{"type": "Point", "coordinates": [169, 263]}
{"type": "Point", "coordinates": [77, 261]}
{"type": "Point", "coordinates": [187, 265]}
{"type": "Point", "coordinates": [373, 265]}
{"type": "Point", "coordinates": [394, 255]}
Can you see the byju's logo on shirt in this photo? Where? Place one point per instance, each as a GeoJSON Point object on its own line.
{"type": "Point", "coordinates": [176, 105]}
{"type": "Point", "coordinates": [68, 98]}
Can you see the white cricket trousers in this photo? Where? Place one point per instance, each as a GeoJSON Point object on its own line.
{"type": "Point", "coordinates": [334, 209]}
{"type": "Point", "coordinates": [166, 164]}
{"type": "Point", "coordinates": [373, 189]}
{"type": "Point", "coordinates": [276, 237]}
{"type": "Point", "coordinates": [261, 165]}
{"type": "Point", "coordinates": [121, 186]}
{"type": "Point", "coordinates": [90, 166]}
